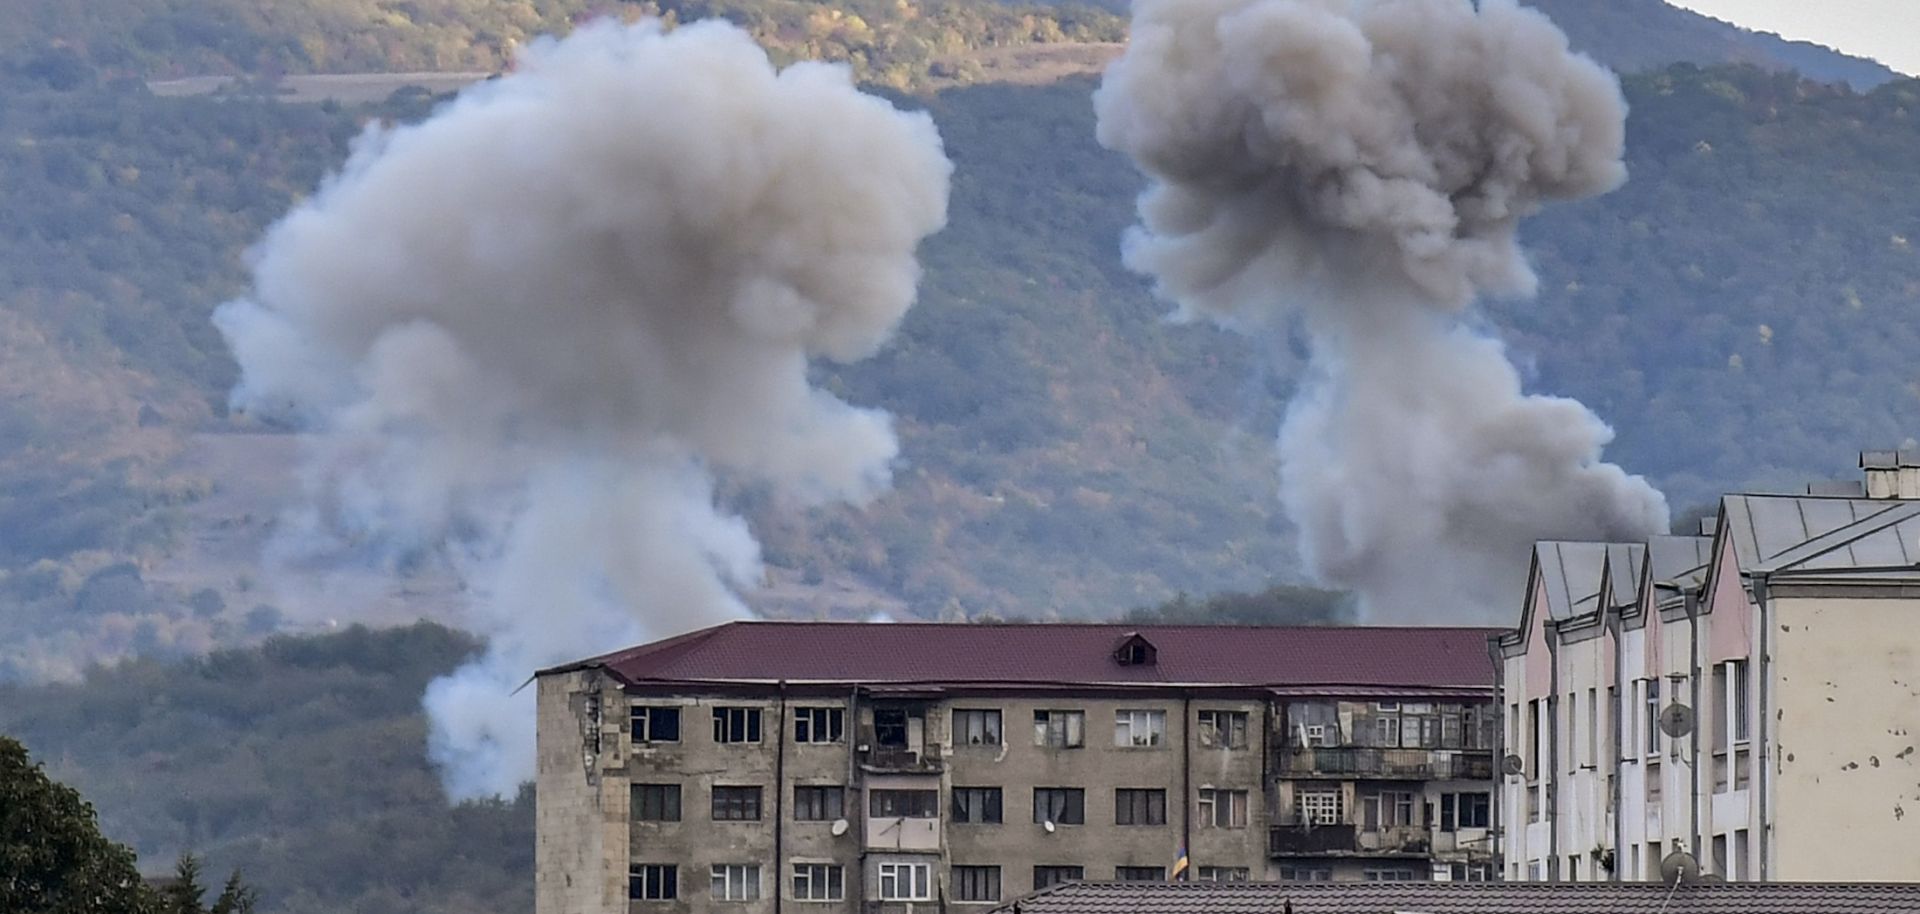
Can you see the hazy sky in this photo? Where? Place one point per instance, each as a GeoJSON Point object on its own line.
{"type": "Point", "coordinates": [1885, 30]}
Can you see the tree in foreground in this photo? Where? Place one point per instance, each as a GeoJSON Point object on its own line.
{"type": "Point", "coordinates": [53, 859]}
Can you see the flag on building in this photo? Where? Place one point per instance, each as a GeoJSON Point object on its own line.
{"type": "Point", "coordinates": [1179, 870]}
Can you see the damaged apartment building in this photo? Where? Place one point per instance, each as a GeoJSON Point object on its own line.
{"type": "Point", "coordinates": [1749, 696]}
{"type": "Point", "coordinates": [773, 766]}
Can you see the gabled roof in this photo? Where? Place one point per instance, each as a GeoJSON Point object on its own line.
{"type": "Point", "coordinates": [1620, 582]}
{"type": "Point", "coordinates": [1062, 655]}
{"type": "Point", "coordinates": [1570, 575]}
{"type": "Point", "coordinates": [1679, 560]}
{"type": "Point", "coordinates": [1468, 898]}
{"type": "Point", "coordinates": [1814, 536]}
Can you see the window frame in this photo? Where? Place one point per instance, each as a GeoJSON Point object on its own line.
{"type": "Point", "coordinates": [969, 880]}
{"type": "Point", "coordinates": [648, 713]}
{"type": "Point", "coordinates": [991, 724]}
{"type": "Point", "coordinates": [810, 720]}
{"type": "Point", "coordinates": [1069, 733]}
{"type": "Point", "coordinates": [741, 798]}
{"type": "Point", "coordinates": [1232, 873]}
{"type": "Point", "coordinates": [721, 875]}
{"type": "Point", "coordinates": [898, 803]}
{"type": "Point", "coordinates": [1139, 874]}
{"type": "Point", "coordinates": [983, 805]}
{"type": "Point", "coordinates": [1208, 807]}
{"type": "Point", "coordinates": [1127, 722]}
{"type": "Point", "coordinates": [1148, 803]}
{"type": "Point", "coordinates": [828, 799]}
{"type": "Point", "coordinates": [668, 802]}
{"type": "Point", "coordinates": [1057, 873]}
{"type": "Point", "coordinates": [830, 878]}
{"type": "Point", "coordinates": [919, 881]}
{"type": "Point", "coordinates": [1073, 802]}
{"type": "Point", "coordinates": [664, 879]}
{"type": "Point", "coordinates": [1208, 722]}
{"type": "Point", "coordinates": [1311, 806]}
{"type": "Point", "coordinates": [749, 729]}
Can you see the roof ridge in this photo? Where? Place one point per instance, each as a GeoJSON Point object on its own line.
{"type": "Point", "coordinates": [1843, 535]}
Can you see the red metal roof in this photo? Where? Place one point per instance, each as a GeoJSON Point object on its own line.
{"type": "Point", "coordinates": [1470, 898]}
{"type": "Point", "coordinates": [1364, 659]}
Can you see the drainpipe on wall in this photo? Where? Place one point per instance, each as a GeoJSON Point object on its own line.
{"type": "Point", "coordinates": [1616, 720]}
{"type": "Point", "coordinates": [1692, 603]}
{"type": "Point", "coordinates": [779, 802]}
{"type": "Point", "coordinates": [1553, 751]}
{"type": "Point", "coordinates": [1763, 746]}
{"type": "Point", "coordinates": [1186, 784]}
{"type": "Point", "coordinates": [856, 791]}
{"type": "Point", "coordinates": [1499, 750]}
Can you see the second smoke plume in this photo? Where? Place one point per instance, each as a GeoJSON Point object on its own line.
{"type": "Point", "coordinates": [1358, 168]}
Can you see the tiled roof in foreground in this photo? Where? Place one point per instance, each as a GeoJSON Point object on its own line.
{"type": "Point", "coordinates": [1470, 898]}
{"type": "Point", "coordinates": [1304, 657]}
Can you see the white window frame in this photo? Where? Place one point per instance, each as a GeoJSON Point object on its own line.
{"type": "Point", "coordinates": [1208, 806]}
{"type": "Point", "coordinates": [1223, 874]}
{"type": "Point", "coordinates": [749, 718]}
{"type": "Point", "coordinates": [734, 882]}
{"type": "Point", "coordinates": [824, 724]}
{"type": "Point", "coordinates": [1222, 729]}
{"type": "Point", "coordinates": [918, 877]}
{"type": "Point", "coordinates": [989, 734]}
{"type": "Point", "coordinates": [821, 881]}
{"type": "Point", "coordinates": [1139, 728]}
{"type": "Point", "coordinates": [1057, 728]}
{"type": "Point", "coordinates": [1320, 807]}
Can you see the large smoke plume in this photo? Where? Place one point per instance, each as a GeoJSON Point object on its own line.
{"type": "Point", "coordinates": [528, 332]}
{"type": "Point", "coordinates": [1357, 168]}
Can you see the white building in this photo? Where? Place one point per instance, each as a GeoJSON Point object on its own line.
{"type": "Point", "coordinates": [1752, 697]}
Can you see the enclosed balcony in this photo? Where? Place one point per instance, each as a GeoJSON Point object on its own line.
{"type": "Point", "coordinates": [1348, 840]}
{"type": "Point", "coordinates": [1365, 763]}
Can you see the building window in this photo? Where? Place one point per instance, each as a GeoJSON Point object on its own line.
{"type": "Point", "coordinates": [1386, 731]}
{"type": "Point", "coordinates": [1222, 874]}
{"type": "Point", "coordinates": [1464, 810]}
{"type": "Point", "coordinates": [653, 882]}
{"type": "Point", "coordinates": [1139, 729]}
{"type": "Point", "coordinates": [1321, 807]}
{"type": "Point", "coordinates": [1059, 805]}
{"type": "Point", "coordinates": [976, 883]}
{"type": "Point", "coordinates": [1044, 876]}
{"type": "Point", "coordinates": [1388, 706]}
{"type": "Point", "coordinates": [1223, 729]}
{"type": "Point", "coordinates": [890, 726]}
{"type": "Point", "coordinates": [976, 727]}
{"type": "Point", "coordinates": [818, 725]}
{"type": "Point", "coordinates": [903, 804]}
{"type": "Point", "coordinates": [1737, 711]}
{"type": "Point", "coordinates": [1140, 873]}
{"type": "Point", "coordinates": [656, 802]}
{"type": "Point", "coordinates": [1291, 873]}
{"type": "Point", "coordinates": [736, 725]}
{"type": "Point", "coordinates": [1060, 729]}
{"type": "Point", "coordinates": [1390, 875]}
{"type": "Point", "coordinates": [819, 803]}
{"type": "Point", "coordinates": [906, 882]}
{"type": "Point", "coordinates": [1388, 809]}
{"type": "Point", "coordinates": [1222, 808]}
{"type": "Point", "coordinates": [1652, 729]}
{"type": "Point", "coordinates": [1144, 806]}
{"type": "Point", "coordinates": [1470, 872]}
{"type": "Point", "coordinates": [654, 724]}
{"type": "Point", "coordinates": [736, 882]}
{"type": "Point", "coordinates": [976, 804]}
{"type": "Point", "coordinates": [819, 882]}
{"type": "Point", "coordinates": [1313, 735]}
{"type": "Point", "coordinates": [736, 804]}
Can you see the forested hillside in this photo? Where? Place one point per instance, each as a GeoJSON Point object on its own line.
{"type": "Point", "coordinates": [1636, 35]}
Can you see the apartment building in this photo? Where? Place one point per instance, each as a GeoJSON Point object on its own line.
{"type": "Point", "coordinates": [1750, 696]}
{"type": "Point", "coordinates": [877, 768]}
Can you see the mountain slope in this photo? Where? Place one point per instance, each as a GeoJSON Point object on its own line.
{"type": "Point", "coordinates": [1635, 35]}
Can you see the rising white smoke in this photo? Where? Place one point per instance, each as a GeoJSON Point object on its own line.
{"type": "Point", "coordinates": [1357, 168]}
{"type": "Point", "coordinates": [528, 331]}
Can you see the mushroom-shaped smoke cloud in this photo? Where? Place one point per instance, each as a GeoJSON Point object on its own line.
{"type": "Point", "coordinates": [527, 331]}
{"type": "Point", "coordinates": [1358, 168]}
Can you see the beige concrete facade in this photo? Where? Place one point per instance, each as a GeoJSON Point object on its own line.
{"type": "Point", "coordinates": [901, 761]}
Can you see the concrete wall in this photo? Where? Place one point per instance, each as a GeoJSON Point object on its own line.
{"type": "Point", "coordinates": [581, 818]}
{"type": "Point", "coordinates": [1846, 677]}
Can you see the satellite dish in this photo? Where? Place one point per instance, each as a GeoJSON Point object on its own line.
{"type": "Point", "coordinates": [1677, 720]}
{"type": "Point", "coordinates": [1513, 764]}
{"type": "Point", "coordinates": [1048, 825]}
{"type": "Point", "coordinates": [1679, 867]}
{"type": "Point", "coordinates": [839, 827]}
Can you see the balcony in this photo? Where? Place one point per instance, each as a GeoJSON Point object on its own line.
{"type": "Point", "coordinates": [1359, 762]}
{"type": "Point", "coordinates": [902, 760]}
{"type": "Point", "coordinates": [1347, 840]}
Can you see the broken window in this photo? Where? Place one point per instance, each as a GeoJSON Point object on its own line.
{"type": "Point", "coordinates": [736, 804]}
{"type": "Point", "coordinates": [1059, 805]}
{"type": "Point", "coordinates": [818, 725]}
{"type": "Point", "coordinates": [890, 727]}
{"type": "Point", "coordinates": [736, 725]}
{"type": "Point", "coordinates": [818, 803]}
{"type": "Point", "coordinates": [1060, 729]}
{"type": "Point", "coordinates": [1139, 729]}
{"type": "Point", "coordinates": [976, 804]}
{"type": "Point", "coordinates": [1222, 808]}
{"type": "Point", "coordinates": [1224, 729]}
{"type": "Point", "coordinates": [908, 804]}
{"type": "Point", "coordinates": [656, 802]}
{"type": "Point", "coordinates": [1140, 806]}
{"type": "Point", "coordinates": [655, 724]}
{"type": "Point", "coordinates": [976, 727]}
{"type": "Point", "coordinates": [653, 882]}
